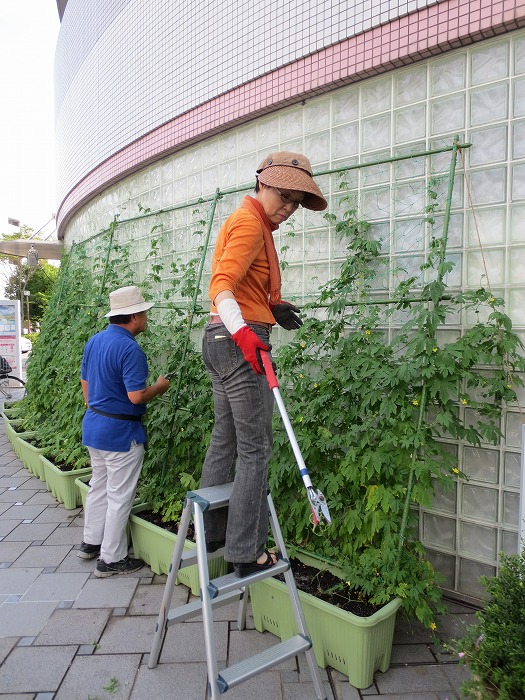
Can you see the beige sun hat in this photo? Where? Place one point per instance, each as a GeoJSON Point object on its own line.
{"type": "Point", "coordinates": [292, 171]}
{"type": "Point", "coordinates": [127, 300]}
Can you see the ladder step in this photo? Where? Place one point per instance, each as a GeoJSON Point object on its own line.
{"type": "Point", "coordinates": [211, 497]}
{"type": "Point", "coordinates": [186, 612]}
{"type": "Point", "coordinates": [242, 671]}
{"type": "Point", "coordinates": [230, 582]}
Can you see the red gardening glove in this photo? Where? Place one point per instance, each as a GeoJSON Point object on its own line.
{"type": "Point", "coordinates": [250, 343]}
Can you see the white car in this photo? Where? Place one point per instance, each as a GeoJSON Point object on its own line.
{"type": "Point", "coordinates": [25, 345]}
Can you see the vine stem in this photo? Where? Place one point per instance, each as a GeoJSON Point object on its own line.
{"type": "Point", "coordinates": [189, 323]}
{"type": "Point", "coordinates": [410, 485]}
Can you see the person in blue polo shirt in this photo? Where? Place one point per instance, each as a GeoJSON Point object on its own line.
{"type": "Point", "coordinates": [113, 378]}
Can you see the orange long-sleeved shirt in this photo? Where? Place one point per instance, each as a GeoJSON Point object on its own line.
{"type": "Point", "coordinates": [240, 265]}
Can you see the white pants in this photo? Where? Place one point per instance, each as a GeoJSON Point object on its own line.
{"type": "Point", "coordinates": [109, 500]}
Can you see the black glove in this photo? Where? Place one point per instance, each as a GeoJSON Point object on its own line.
{"type": "Point", "coordinates": [285, 316]}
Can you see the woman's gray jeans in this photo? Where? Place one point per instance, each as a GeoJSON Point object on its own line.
{"type": "Point", "coordinates": [240, 446]}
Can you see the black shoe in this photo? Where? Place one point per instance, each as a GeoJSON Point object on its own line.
{"type": "Point", "coordinates": [214, 546]}
{"type": "Point", "coordinates": [124, 566]}
{"type": "Point", "coordinates": [242, 569]}
{"type": "Point", "coordinates": [88, 551]}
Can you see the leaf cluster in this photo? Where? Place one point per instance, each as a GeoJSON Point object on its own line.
{"type": "Point", "coordinates": [494, 649]}
{"type": "Point", "coordinates": [373, 402]}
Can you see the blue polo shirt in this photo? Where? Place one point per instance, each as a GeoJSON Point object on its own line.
{"type": "Point", "coordinates": [113, 364]}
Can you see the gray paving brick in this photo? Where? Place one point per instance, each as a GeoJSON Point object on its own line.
{"type": "Point", "coordinates": [411, 653]}
{"type": "Point", "coordinates": [169, 681]}
{"type": "Point", "coordinates": [345, 691]}
{"type": "Point", "coordinates": [10, 551]}
{"type": "Point", "coordinates": [24, 619]}
{"type": "Point", "coordinates": [7, 526]}
{"type": "Point", "coordinates": [16, 481]}
{"type": "Point", "coordinates": [412, 679]}
{"type": "Point", "coordinates": [73, 627]}
{"type": "Point", "coordinates": [4, 506]}
{"type": "Point", "coordinates": [9, 470]}
{"type": "Point", "coordinates": [44, 556]}
{"type": "Point", "coordinates": [56, 515]}
{"type": "Point", "coordinates": [127, 635]}
{"type": "Point", "coordinates": [73, 563]}
{"type": "Point", "coordinates": [457, 674]}
{"type": "Point", "coordinates": [18, 495]}
{"type": "Point", "coordinates": [65, 535]}
{"type": "Point", "coordinates": [411, 632]}
{"type": "Point", "coordinates": [56, 587]}
{"type": "Point", "coordinates": [148, 598]}
{"type": "Point", "coordinates": [41, 669]}
{"type": "Point", "coordinates": [185, 642]}
{"type": "Point", "coordinates": [42, 497]}
{"type": "Point", "coordinates": [304, 691]}
{"type": "Point", "coordinates": [89, 675]}
{"type": "Point", "coordinates": [25, 512]}
{"type": "Point", "coordinates": [15, 580]}
{"type": "Point", "coordinates": [31, 533]}
{"type": "Point", "coordinates": [6, 644]}
{"type": "Point", "coordinates": [115, 592]}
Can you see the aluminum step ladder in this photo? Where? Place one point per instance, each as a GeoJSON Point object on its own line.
{"type": "Point", "coordinates": [222, 591]}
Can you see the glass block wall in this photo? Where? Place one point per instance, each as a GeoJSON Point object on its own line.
{"type": "Point", "coordinates": [477, 93]}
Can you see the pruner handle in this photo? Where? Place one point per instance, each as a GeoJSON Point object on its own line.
{"type": "Point", "coordinates": [268, 370]}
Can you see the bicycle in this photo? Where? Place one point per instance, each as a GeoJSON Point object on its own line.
{"type": "Point", "coordinates": [6, 378]}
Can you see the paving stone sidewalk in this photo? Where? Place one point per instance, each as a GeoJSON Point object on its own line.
{"type": "Point", "coordinates": [66, 635]}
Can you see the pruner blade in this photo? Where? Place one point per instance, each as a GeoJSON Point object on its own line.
{"type": "Point", "coordinates": [318, 505]}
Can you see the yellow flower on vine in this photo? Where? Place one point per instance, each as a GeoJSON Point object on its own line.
{"type": "Point", "coordinates": [368, 332]}
{"type": "Point", "coordinates": [315, 386]}
{"type": "Point", "coordinates": [300, 376]}
{"type": "Point", "coordinates": [433, 626]}
{"type": "Point", "coordinates": [415, 402]}
{"type": "Point", "coordinates": [434, 349]}
{"type": "Point", "coordinates": [455, 470]}
{"type": "Point", "coordinates": [464, 402]}
{"type": "Point", "coordinates": [492, 300]}
{"type": "Point", "coordinates": [303, 344]}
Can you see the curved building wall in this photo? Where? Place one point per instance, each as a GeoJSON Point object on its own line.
{"type": "Point", "coordinates": [124, 68]}
{"type": "Point", "coordinates": [154, 78]}
{"type": "Point", "coordinates": [474, 91]}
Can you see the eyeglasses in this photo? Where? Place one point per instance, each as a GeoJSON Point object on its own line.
{"type": "Point", "coordinates": [288, 199]}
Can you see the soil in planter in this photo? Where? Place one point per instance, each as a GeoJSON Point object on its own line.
{"type": "Point", "coordinates": [321, 584]}
{"type": "Point", "coordinates": [155, 519]}
{"type": "Point", "coordinates": [328, 587]}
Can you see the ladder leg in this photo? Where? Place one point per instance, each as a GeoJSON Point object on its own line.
{"type": "Point", "coordinates": [207, 613]}
{"type": "Point", "coordinates": [160, 629]}
{"type": "Point", "coordinates": [296, 603]}
{"type": "Point", "coordinates": [243, 605]}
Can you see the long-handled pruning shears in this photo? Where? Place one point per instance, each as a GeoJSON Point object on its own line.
{"type": "Point", "coordinates": [317, 500]}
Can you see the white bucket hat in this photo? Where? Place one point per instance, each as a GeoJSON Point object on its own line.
{"type": "Point", "coordinates": [127, 300]}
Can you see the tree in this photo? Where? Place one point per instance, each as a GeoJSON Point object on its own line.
{"type": "Point", "coordinates": [39, 281]}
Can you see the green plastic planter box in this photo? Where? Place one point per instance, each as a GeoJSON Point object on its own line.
{"type": "Point", "coordinates": [62, 483]}
{"type": "Point", "coordinates": [155, 546]}
{"type": "Point", "coordinates": [29, 453]}
{"type": "Point", "coordinates": [355, 646]}
{"type": "Point", "coordinates": [82, 484]}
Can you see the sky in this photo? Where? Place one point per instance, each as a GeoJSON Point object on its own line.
{"type": "Point", "coordinates": [28, 36]}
